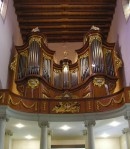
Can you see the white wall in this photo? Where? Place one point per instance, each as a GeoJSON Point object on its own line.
{"type": "Point", "coordinates": [120, 32]}
{"type": "Point", "coordinates": [26, 144]}
{"type": "Point", "coordinates": [123, 142]}
{"type": "Point", "coordinates": [111, 143]}
{"type": "Point", "coordinates": [9, 35]}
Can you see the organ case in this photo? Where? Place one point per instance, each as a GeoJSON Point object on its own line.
{"type": "Point", "coordinates": [93, 75]}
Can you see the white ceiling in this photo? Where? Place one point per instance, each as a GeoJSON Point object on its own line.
{"type": "Point", "coordinates": [76, 131]}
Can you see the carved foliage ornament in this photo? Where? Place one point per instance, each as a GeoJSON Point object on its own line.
{"type": "Point", "coordinates": [97, 37]}
{"type": "Point", "coordinates": [33, 83]}
{"type": "Point", "coordinates": [99, 82]}
{"type": "Point", "coordinates": [14, 63]}
{"type": "Point", "coordinates": [110, 101]}
{"type": "Point", "coordinates": [84, 55]}
{"type": "Point", "coordinates": [37, 39]}
{"type": "Point", "coordinates": [24, 53]}
{"type": "Point", "coordinates": [70, 107]}
{"type": "Point", "coordinates": [118, 62]}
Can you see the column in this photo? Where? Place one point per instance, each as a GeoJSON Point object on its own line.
{"type": "Point", "coordinates": [127, 117]}
{"type": "Point", "coordinates": [8, 140]}
{"type": "Point", "coordinates": [44, 134]}
{"type": "Point", "coordinates": [86, 137]}
{"type": "Point", "coordinates": [91, 142]}
{"type": "Point", "coordinates": [49, 138]}
{"type": "Point", "coordinates": [126, 133]}
{"type": "Point", "coordinates": [2, 130]}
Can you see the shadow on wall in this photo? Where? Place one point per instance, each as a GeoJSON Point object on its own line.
{"type": "Point", "coordinates": [121, 71]}
{"type": "Point", "coordinates": [0, 85]}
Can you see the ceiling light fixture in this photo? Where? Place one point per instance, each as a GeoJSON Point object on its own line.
{"type": "Point", "coordinates": [29, 137]}
{"type": "Point", "coordinates": [105, 135]}
{"type": "Point", "coordinates": [19, 125]}
{"type": "Point", "coordinates": [65, 127]}
{"type": "Point", "coordinates": [114, 124]}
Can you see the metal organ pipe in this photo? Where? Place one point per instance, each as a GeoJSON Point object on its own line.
{"type": "Point", "coordinates": [97, 57]}
{"type": "Point", "coordinates": [34, 58]}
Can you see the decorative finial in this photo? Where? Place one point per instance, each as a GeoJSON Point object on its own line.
{"type": "Point", "coordinates": [36, 29]}
{"type": "Point", "coordinates": [65, 54]}
{"type": "Point", "coordinates": [94, 28]}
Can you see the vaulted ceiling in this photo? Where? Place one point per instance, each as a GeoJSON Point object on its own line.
{"type": "Point", "coordinates": [64, 20]}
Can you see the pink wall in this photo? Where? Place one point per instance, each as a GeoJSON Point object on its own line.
{"type": "Point", "coordinates": [120, 32]}
{"type": "Point", "coordinates": [69, 47]}
{"type": "Point", "coordinates": [9, 36]}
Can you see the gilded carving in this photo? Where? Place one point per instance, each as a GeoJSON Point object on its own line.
{"type": "Point", "coordinates": [69, 107]}
{"type": "Point", "coordinates": [94, 37]}
{"type": "Point", "coordinates": [57, 71]}
{"type": "Point", "coordinates": [129, 94]}
{"type": "Point", "coordinates": [46, 56]}
{"type": "Point", "coordinates": [107, 51]}
{"type": "Point", "coordinates": [65, 54]}
{"type": "Point", "coordinates": [37, 39]}
{"type": "Point", "coordinates": [11, 101]}
{"type": "Point", "coordinates": [74, 70]}
{"type": "Point", "coordinates": [2, 97]}
{"type": "Point", "coordinates": [33, 83]}
{"type": "Point", "coordinates": [14, 63]}
{"type": "Point", "coordinates": [44, 106]}
{"type": "Point", "coordinates": [24, 53]}
{"type": "Point", "coordinates": [117, 60]}
{"type": "Point", "coordinates": [110, 102]}
{"type": "Point", "coordinates": [67, 95]}
{"type": "Point", "coordinates": [44, 96]}
{"type": "Point", "coordinates": [84, 55]}
{"type": "Point", "coordinates": [21, 88]}
{"type": "Point", "coordinates": [87, 95]}
{"type": "Point", "coordinates": [99, 82]}
{"type": "Point", "coordinates": [89, 105]}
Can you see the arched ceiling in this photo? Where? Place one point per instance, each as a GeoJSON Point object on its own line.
{"type": "Point", "coordinates": [64, 20]}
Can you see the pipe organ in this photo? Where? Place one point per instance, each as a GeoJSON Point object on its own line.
{"type": "Point", "coordinates": [95, 73]}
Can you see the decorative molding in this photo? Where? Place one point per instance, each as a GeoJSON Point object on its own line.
{"type": "Point", "coordinates": [43, 124]}
{"type": "Point", "coordinates": [8, 133]}
{"type": "Point", "coordinates": [125, 130]}
{"type": "Point", "coordinates": [89, 123]}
